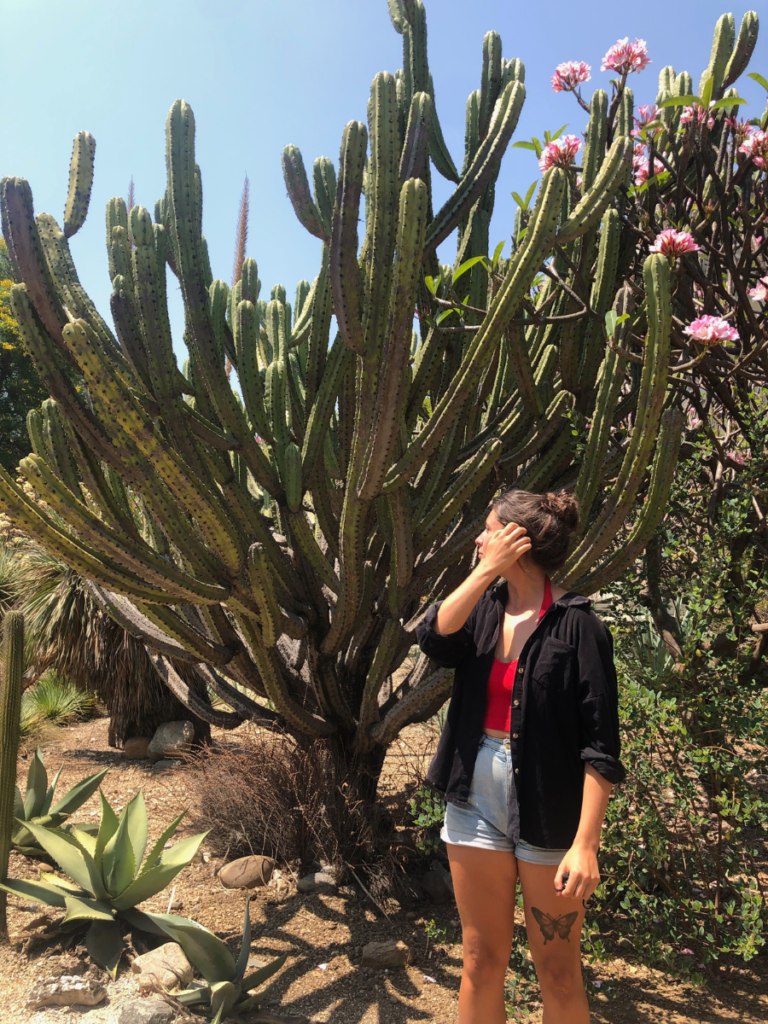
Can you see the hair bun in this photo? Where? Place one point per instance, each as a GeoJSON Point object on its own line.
{"type": "Point", "coordinates": [563, 505]}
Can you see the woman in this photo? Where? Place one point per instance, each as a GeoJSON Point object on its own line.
{"type": "Point", "coordinates": [528, 754]}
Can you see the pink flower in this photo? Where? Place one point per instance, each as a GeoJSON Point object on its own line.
{"type": "Point", "coordinates": [741, 129]}
{"type": "Point", "coordinates": [760, 292]}
{"type": "Point", "coordinates": [756, 146]}
{"type": "Point", "coordinates": [626, 57]}
{"type": "Point", "coordinates": [569, 75]}
{"type": "Point", "coordinates": [647, 114]}
{"type": "Point", "coordinates": [674, 243]}
{"type": "Point", "coordinates": [641, 169]}
{"type": "Point", "coordinates": [696, 115]}
{"type": "Point", "coordinates": [711, 330]}
{"type": "Point", "coordinates": [560, 152]}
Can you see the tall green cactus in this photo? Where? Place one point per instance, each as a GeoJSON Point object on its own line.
{"type": "Point", "coordinates": [10, 727]}
{"type": "Point", "coordinates": [287, 529]}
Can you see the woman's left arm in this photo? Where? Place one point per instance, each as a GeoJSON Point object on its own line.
{"type": "Point", "coordinates": [578, 875]}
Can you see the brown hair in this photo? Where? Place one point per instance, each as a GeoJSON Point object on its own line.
{"type": "Point", "coordinates": [549, 519]}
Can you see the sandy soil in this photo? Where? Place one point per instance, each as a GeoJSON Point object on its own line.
{"type": "Point", "coordinates": [323, 980]}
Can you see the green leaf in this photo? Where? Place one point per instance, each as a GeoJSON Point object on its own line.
{"type": "Point", "coordinates": [223, 997]}
{"type": "Point", "coordinates": [467, 265]}
{"type": "Point", "coordinates": [41, 892]}
{"type": "Point", "coordinates": [519, 200]}
{"type": "Point", "coordinates": [258, 999]}
{"type": "Point", "coordinates": [149, 883]}
{"type": "Point", "coordinates": [706, 92]}
{"type": "Point", "coordinates": [104, 943]}
{"type": "Point", "coordinates": [84, 839]}
{"type": "Point", "coordinates": [79, 793]}
{"type": "Point", "coordinates": [264, 973]}
{"type": "Point", "coordinates": [497, 253]}
{"type": "Point", "coordinates": [37, 787]}
{"type": "Point", "coordinates": [107, 828]}
{"type": "Point", "coordinates": [137, 826]}
{"type": "Point", "coordinates": [610, 322]}
{"type": "Point", "coordinates": [80, 908]}
{"type": "Point", "coordinates": [557, 134]}
{"type": "Point", "coordinates": [194, 996]}
{"type": "Point", "coordinates": [51, 790]}
{"type": "Point", "coordinates": [729, 101]}
{"type": "Point", "coordinates": [529, 193]}
{"type": "Point", "coordinates": [157, 850]}
{"type": "Point", "coordinates": [431, 284]}
{"type": "Point", "coordinates": [205, 951]}
{"type": "Point", "coordinates": [527, 145]}
{"type": "Point", "coordinates": [680, 101]}
{"type": "Point", "coordinates": [18, 804]}
{"type": "Point", "coordinates": [759, 79]}
{"type": "Point", "coordinates": [118, 865]}
{"type": "Point", "coordinates": [61, 883]}
{"type": "Point", "coordinates": [245, 945]}
{"type": "Point", "coordinates": [69, 855]}
{"type": "Point", "coordinates": [443, 315]}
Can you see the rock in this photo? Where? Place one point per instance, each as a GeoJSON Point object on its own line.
{"type": "Point", "coordinates": [67, 990]}
{"type": "Point", "coordinates": [625, 943]}
{"type": "Point", "coordinates": [171, 739]}
{"type": "Point", "coordinates": [435, 886]}
{"type": "Point", "coordinates": [318, 881]}
{"type": "Point", "coordinates": [135, 749]}
{"type": "Point", "coordinates": [165, 967]}
{"type": "Point", "coordinates": [247, 872]}
{"type": "Point", "coordinates": [386, 954]}
{"type": "Point", "coordinates": [164, 764]}
{"type": "Point", "coordinates": [146, 1011]}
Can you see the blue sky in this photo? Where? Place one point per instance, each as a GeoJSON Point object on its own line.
{"type": "Point", "coordinates": [263, 74]}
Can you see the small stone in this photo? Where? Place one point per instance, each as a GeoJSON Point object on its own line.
{"type": "Point", "coordinates": [165, 967]}
{"type": "Point", "coordinates": [171, 739]}
{"type": "Point", "coordinates": [436, 887]}
{"type": "Point", "coordinates": [136, 748]}
{"type": "Point", "coordinates": [164, 764]}
{"type": "Point", "coordinates": [67, 990]}
{"type": "Point", "coordinates": [146, 1011]}
{"type": "Point", "coordinates": [410, 916]}
{"type": "Point", "coordinates": [625, 943]}
{"type": "Point", "coordinates": [317, 882]}
{"type": "Point", "coordinates": [389, 953]}
{"type": "Point", "coordinates": [247, 872]}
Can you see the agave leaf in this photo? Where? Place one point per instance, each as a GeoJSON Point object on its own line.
{"type": "Point", "coordinates": [80, 908]}
{"type": "Point", "coordinates": [104, 943]}
{"type": "Point", "coordinates": [137, 826]}
{"type": "Point", "coordinates": [37, 787]}
{"type": "Point", "coordinates": [18, 805]}
{"type": "Point", "coordinates": [257, 999]}
{"type": "Point", "coordinates": [79, 793]}
{"type": "Point", "coordinates": [157, 850]}
{"type": "Point", "coordinates": [107, 828]}
{"type": "Point", "coordinates": [51, 790]}
{"type": "Point", "coordinates": [85, 839]}
{"type": "Point", "coordinates": [61, 883]}
{"type": "Point", "coordinates": [70, 856]}
{"type": "Point", "coordinates": [207, 953]}
{"type": "Point", "coordinates": [193, 996]}
{"type": "Point", "coordinates": [224, 994]}
{"type": "Point", "coordinates": [118, 865]}
{"type": "Point", "coordinates": [264, 973]}
{"type": "Point", "coordinates": [219, 1015]}
{"type": "Point", "coordinates": [245, 945]}
{"type": "Point", "coordinates": [151, 923]}
{"type": "Point", "coordinates": [41, 892]}
{"type": "Point", "coordinates": [148, 883]}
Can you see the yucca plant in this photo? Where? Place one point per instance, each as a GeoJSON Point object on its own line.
{"type": "Point", "coordinates": [37, 807]}
{"type": "Point", "coordinates": [227, 989]}
{"type": "Point", "coordinates": [55, 699]}
{"type": "Point", "coordinates": [109, 875]}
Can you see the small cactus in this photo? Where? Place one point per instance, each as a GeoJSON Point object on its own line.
{"type": "Point", "coordinates": [10, 728]}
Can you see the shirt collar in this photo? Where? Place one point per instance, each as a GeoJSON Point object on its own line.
{"type": "Point", "coordinates": [500, 592]}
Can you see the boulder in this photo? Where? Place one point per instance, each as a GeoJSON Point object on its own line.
{"type": "Point", "coordinates": [171, 739]}
{"type": "Point", "coordinates": [67, 990]}
{"type": "Point", "coordinates": [165, 967]}
{"type": "Point", "coordinates": [136, 748]}
{"type": "Point", "coordinates": [146, 1011]}
{"type": "Point", "coordinates": [387, 954]}
{"type": "Point", "coordinates": [247, 872]}
{"type": "Point", "coordinates": [317, 882]}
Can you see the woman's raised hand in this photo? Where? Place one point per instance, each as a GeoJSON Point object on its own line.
{"type": "Point", "coordinates": [503, 548]}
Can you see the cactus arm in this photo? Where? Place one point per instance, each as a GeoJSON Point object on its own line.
{"type": "Point", "coordinates": [182, 632]}
{"type": "Point", "coordinates": [484, 167]}
{"type": "Point", "coordinates": [626, 110]}
{"type": "Point", "coordinates": [380, 668]}
{"type": "Point", "coordinates": [722, 47]}
{"type": "Point", "coordinates": [242, 705]}
{"type": "Point", "coordinates": [652, 510]}
{"type": "Point", "coordinates": [594, 203]}
{"type": "Point", "coordinates": [319, 482]}
{"type": "Point", "coordinates": [10, 728]}
{"type": "Point", "coordinates": [597, 133]}
{"type": "Point", "coordinates": [344, 272]}
{"type": "Point", "coordinates": [743, 49]}
{"type": "Point", "coordinates": [435, 686]}
{"type": "Point", "coordinates": [603, 289]}
{"type": "Point", "coordinates": [245, 335]}
{"type": "Point", "coordinates": [392, 391]}
{"type": "Point", "coordinates": [80, 182]}
{"type": "Point", "coordinates": [436, 472]}
{"type": "Point", "coordinates": [297, 184]}
{"type": "Point", "coordinates": [539, 476]}
{"type": "Point", "coordinates": [450, 551]}
{"type": "Point", "coordinates": [413, 159]}
{"type": "Point", "coordinates": [309, 547]}
{"type": "Point", "coordinates": [522, 371]}
{"type": "Point", "coordinates": [490, 80]}
{"type": "Point", "coordinates": [542, 432]}
{"type": "Point", "coordinates": [183, 693]}
{"type": "Point", "coordinates": [402, 537]}
{"type": "Point", "coordinates": [588, 480]}
{"type": "Point", "coordinates": [427, 357]}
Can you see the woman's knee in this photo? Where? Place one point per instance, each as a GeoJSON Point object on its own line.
{"type": "Point", "coordinates": [560, 979]}
{"type": "Point", "coordinates": [483, 960]}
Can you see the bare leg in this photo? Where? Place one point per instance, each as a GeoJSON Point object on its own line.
{"type": "Point", "coordinates": [554, 936]}
{"type": "Point", "coordinates": [484, 882]}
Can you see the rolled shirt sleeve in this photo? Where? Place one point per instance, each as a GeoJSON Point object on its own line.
{"type": "Point", "coordinates": [598, 694]}
{"type": "Point", "coordinates": [447, 650]}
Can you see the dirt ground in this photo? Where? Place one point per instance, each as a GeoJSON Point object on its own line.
{"type": "Point", "coordinates": [322, 981]}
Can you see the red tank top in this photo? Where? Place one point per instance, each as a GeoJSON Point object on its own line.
{"type": "Point", "coordinates": [498, 711]}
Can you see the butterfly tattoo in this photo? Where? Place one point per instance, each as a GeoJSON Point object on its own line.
{"type": "Point", "coordinates": [550, 926]}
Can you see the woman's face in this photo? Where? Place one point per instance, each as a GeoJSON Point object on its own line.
{"type": "Point", "coordinates": [492, 525]}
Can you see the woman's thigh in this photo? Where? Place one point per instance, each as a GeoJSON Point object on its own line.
{"type": "Point", "coordinates": [484, 883]}
{"type": "Point", "coordinates": [553, 923]}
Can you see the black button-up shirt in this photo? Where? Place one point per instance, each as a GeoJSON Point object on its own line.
{"type": "Point", "coordinates": [564, 711]}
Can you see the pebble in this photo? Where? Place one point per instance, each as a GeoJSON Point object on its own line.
{"type": "Point", "coordinates": [171, 739]}
{"type": "Point", "coordinates": [166, 966]}
{"type": "Point", "coordinates": [316, 882]}
{"type": "Point", "coordinates": [146, 1011]}
{"type": "Point", "coordinates": [386, 954]}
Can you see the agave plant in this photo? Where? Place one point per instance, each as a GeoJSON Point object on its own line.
{"type": "Point", "coordinates": [38, 809]}
{"type": "Point", "coordinates": [227, 989]}
{"type": "Point", "coordinates": [109, 874]}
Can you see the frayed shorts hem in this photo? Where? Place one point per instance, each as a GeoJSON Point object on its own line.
{"type": "Point", "coordinates": [523, 851]}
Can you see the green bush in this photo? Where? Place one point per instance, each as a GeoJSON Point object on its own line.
{"type": "Point", "coordinates": [55, 700]}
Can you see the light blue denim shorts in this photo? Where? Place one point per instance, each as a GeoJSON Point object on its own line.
{"type": "Point", "coordinates": [482, 821]}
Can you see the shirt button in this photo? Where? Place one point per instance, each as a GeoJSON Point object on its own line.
{"type": "Point", "coordinates": [514, 735]}
{"type": "Point", "coordinates": [516, 702]}
{"type": "Point", "coordinates": [517, 771]}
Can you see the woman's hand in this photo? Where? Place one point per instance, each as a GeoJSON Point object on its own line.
{"type": "Point", "coordinates": [578, 875]}
{"type": "Point", "coordinates": [503, 548]}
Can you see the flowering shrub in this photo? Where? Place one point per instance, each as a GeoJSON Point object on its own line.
{"type": "Point", "coordinates": [625, 57]}
{"type": "Point", "coordinates": [674, 243]}
{"type": "Point", "coordinates": [711, 330]}
{"type": "Point", "coordinates": [560, 153]}
{"type": "Point", "coordinates": [569, 75]}
{"type": "Point", "coordinates": [696, 115]}
{"type": "Point", "coordinates": [756, 146]}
